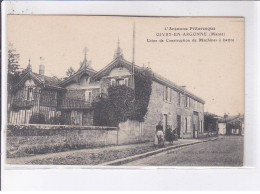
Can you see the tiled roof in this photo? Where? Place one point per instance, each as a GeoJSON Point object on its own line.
{"type": "Point", "coordinates": [51, 81]}
{"type": "Point", "coordinates": [157, 78]}
{"type": "Point", "coordinates": [230, 118]}
{"type": "Point", "coordinates": [87, 70]}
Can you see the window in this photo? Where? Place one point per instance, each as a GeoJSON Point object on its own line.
{"type": "Point", "coordinates": [187, 101]}
{"type": "Point", "coordinates": [120, 82]}
{"type": "Point", "coordinates": [29, 95]}
{"type": "Point", "coordinates": [186, 125]}
{"type": "Point", "coordinates": [167, 94]}
{"type": "Point", "coordinates": [113, 82]}
{"type": "Point", "coordinates": [179, 98]}
{"type": "Point", "coordinates": [126, 81]}
{"type": "Point", "coordinates": [88, 96]}
{"type": "Point", "coordinates": [164, 93]}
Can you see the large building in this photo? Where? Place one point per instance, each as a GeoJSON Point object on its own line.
{"type": "Point", "coordinates": [71, 99]}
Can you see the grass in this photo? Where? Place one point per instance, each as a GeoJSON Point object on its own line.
{"type": "Point", "coordinates": [89, 156]}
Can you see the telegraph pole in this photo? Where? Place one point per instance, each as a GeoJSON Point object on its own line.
{"type": "Point", "coordinates": [133, 60]}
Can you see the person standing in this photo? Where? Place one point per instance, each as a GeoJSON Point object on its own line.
{"type": "Point", "coordinates": [159, 135]}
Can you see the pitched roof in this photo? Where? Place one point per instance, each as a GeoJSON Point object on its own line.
{"type": "Point", "coordinates": [52, 81]}
{"type": "Point", "coordinates": [230, 118]}
{"type": "Point", "coordinates": [158, 78]}
{"type": "Point", "coordinates": [77, 75]}
{"type": "Point", "coordinates": [43, 81]}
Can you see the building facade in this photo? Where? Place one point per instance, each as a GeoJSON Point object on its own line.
{"type": "Point", "coordinates": [71, 99]}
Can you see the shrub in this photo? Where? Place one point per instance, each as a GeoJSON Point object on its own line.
{"type": "Point", "coordinates": [37, 118]}
{"type": "Point", "coordinates": [56, 120]}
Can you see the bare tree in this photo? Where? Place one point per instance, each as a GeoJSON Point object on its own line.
{"type": "Point", "coordinates": [70, 72]}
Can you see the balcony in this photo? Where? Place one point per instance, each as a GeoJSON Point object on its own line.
{"type": "Point", "coordinates": [22, 104]}
{"type": "Point", "coordinates": [74, 104]}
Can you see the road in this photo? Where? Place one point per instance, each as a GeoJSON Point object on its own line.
{"type": "Point", "coordinates": [226, 151]}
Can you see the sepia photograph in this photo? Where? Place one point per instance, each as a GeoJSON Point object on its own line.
{"type": "Point", "coordinates": [125, 91]}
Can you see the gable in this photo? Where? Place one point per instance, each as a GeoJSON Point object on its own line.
{"type": "Point", "coordinates": [80, 81]}
{"type": "Point", "coordinates": [38, 80]}
{"type": "Point", "coordinates": [29, 78]}
{"type": "Point", "coordinates": [113, 68]}
{"type": "Point", "coordinates": [76, 77]}
{"type": "Point", "coordinates": [29, 83]}
{"type": "Point", "coordinates": [119, 71]}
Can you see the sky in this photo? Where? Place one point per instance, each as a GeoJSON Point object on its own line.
{"type": "Point", "coordinates": [214, 71]}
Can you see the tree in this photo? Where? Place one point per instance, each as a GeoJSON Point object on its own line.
{"type": "Point", "coordinates": [13, 66]}
{"type": "Point", "coordinates": [123, 103]}
{"type": "Point", "coordinates": [70, 72]}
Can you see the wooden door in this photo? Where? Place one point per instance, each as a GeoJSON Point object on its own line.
{"type": "Point", "coordinates": [179, 126]}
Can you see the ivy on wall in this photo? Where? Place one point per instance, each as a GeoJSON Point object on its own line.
{"type": "Point", "coordinates": [143, 90]}
{"type": "Point", "coordinates": [124, 102]}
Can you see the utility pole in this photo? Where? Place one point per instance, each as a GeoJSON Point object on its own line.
{"type": "Point", "coordinates": [133, 60]}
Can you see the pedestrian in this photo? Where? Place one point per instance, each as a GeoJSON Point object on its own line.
{"type": "Point", "coordinates": [169, 134]}
{"type": "Point", "coordinates": [159, 135]}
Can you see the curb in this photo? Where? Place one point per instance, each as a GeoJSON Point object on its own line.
{"type": "Point", "coordinates": [143, 155]}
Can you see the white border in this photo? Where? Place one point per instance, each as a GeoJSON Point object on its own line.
{"type": "Point", "coordinates": [146, 178]}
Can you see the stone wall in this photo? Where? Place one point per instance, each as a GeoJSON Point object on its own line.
{"type": "Point", "coordinates": [158, 107]}
{"type": "Point", "coordinates": [40, 139]}
{"type": "Point", "coordinates": [130, 132]}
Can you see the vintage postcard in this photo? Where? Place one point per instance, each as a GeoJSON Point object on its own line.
{"type": "Point", "coordinates": [125, 91]}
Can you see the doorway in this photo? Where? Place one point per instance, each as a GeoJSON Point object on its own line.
{"type": "Point", "coordinates": [179, 126]}
{"type": "Point", "coordinates": [194, 131]}
{"type": "Point", "coordinates": [165, 122]}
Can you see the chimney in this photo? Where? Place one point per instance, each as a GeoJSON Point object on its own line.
{"type": "Point", "coordinates": [41, 69]}
{"type": "Point", "coordinates": [183, 87]}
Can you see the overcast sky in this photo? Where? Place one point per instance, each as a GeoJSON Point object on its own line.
{"type": "Point", "coordinates": [212, 71]}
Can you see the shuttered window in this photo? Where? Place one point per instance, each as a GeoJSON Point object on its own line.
{"type": "Point", "coordinates": [113, 82]}
{"type": "Point", "coordinates": [88, 96]}
{"type": "Point", "coordinates": [29, 95]}
{"type": "Point", "coordinates": [187, 101]}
